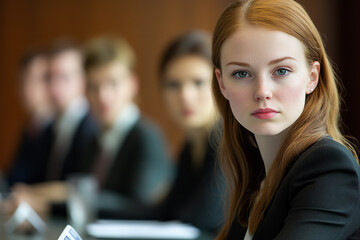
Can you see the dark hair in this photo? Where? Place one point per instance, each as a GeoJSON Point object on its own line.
{"type": "Point", "coordinates": [196, 43]}
{"type": "Point", "coordinates": [30, 56]}
{"type": "Point", "coordinates": [103, 50]}
{"type": "Point", "coordinates": [64, 45]}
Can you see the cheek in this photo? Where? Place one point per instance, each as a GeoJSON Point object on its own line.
{"type": "Point", "coordinates": [171, 100]}
{"type": "Point", "coordinates": [293, 95]}
{"type": "Point", "coordinates": [239, 99]}
{"type": "Point", "coordinates": [120, 94]}
{"type": "Point", "coordinates": [94, 100]}
{"type": "Point", "coordinates": [293, 101]}
{"type": "Point", "coordinates": [204, 97]}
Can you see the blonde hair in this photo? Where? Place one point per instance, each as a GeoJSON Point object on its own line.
{"type": "Point", "coordinates": [103, 50]}
{"type": "Point", "coordinates": [240, 159]}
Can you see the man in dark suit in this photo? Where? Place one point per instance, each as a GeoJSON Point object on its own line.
{"type": "Point", "coordinates": [73, 126]}
{"type": "Point", "coordinates": [29, 162]}
{"type": "Point", "coordinates": [70, 132]}
{"type": "Point", "coordinates": [131, 161]}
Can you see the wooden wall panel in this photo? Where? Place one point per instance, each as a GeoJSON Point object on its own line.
{"type": "Point", "coordinates": [148, 26]}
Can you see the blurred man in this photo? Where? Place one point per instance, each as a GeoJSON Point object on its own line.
{"type": "Point", "coordinates": [73, 126]}
{"type": "Point", "coordinates": [29, 164]}
{"type": "Point", "coordinates": [131, 161]}
{"type": "Point", "coordinates": [71, 131]}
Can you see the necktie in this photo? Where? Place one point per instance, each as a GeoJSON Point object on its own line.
{"type": "Point", "coordinates": [101, 167]}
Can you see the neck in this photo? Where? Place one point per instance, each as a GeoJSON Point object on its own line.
{"type": "Point", "coordinates": [42, 115]}
{"type": "Point", "coordinates": [269, 147]}
{"type": "Point", "coordinates": [198, 141]}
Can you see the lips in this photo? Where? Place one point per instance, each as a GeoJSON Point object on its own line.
{"type": "Point", "coordinates": [264, 113]}
{"type": "Point", "coordinates": [187, 112]}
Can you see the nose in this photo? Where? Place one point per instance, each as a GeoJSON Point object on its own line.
{"type": "Point", "coordinates": [187, 94]}
{"type": "Point", "coordinates": [103, 94]}
{"type": "Point", "coordinates": [263, 89]}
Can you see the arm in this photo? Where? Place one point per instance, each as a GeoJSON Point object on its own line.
{"type": "Point", "coordinates": [156, 170]}
{"type": "Point", "coordinates": [324, 196]}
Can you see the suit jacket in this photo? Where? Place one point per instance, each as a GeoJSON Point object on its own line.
{"type": "Point", "coordinates": [79, 148]}
{"type": "Point", "coordinates": [319, 198]}
{"type": "Point", "coordinates": [141, 165]}
{"type": "Point", "coordinates": [196, 196]}
{"type": "Point", "coordinates": [30, 160]}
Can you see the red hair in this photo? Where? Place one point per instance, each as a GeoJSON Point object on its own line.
{"type": "Point", "coordinates": [240, 158]}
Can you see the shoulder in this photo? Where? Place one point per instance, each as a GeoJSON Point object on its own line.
{"type": "Point", "coordinates": [327, 154]}
{"type": "Point", "coordinates": [147, 136]}
{"type": "Point", "coordinates": [147, 129]}
{"type": "Point", "coordinates": [319, 198]}
{"type": "Point", "coordinates": [87, 126]}
{"type": "Point", "coordinates": [327, 166]}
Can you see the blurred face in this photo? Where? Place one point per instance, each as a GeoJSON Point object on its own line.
{"type": "Point", "coordinates": [34, 88]}
{"type": "Point", "coordinates": [65, 79]}
{"type": "Point", "coordinates": [110, 88]}
{"type": "Point", "coordinates": [187, 91]}
{"type": "Point", "coordinates": [265, 77]}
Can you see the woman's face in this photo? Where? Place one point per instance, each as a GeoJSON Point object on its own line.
{"type": "Point", "coordinates": [187, 91]}
{"type": "Point", "coordinates": [265, 77]}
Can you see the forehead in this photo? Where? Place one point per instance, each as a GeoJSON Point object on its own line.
{"type": "Point", "coordinates": [66, 59]}
{"type": "Point", "coordinates": [187, 65]}
{"type": "Point", "coordinates": [38, 63]}
{"type": "Point", "coordinates": [109, 71]}
{"type": "Point", "coordinates": [254, 44]}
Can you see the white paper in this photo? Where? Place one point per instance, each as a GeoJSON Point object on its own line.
{"type": "Point", "coordinates": [25, 212]}
{"type": "Point", "coordinates": [142, 230]}
{"type": "Point", "coordinates": [69, 233]}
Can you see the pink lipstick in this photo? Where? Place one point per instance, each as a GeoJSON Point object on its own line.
{"type": "Point", "coordinates": [264, 113]}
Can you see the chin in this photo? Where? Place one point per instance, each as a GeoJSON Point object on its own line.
{"type": "Point", "coordinates": [106, 122]}
{"type": "Point", "coordinates": [265, 131]}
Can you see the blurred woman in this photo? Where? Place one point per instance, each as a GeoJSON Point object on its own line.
{"type": "Point", "coordinates": [186, 74]}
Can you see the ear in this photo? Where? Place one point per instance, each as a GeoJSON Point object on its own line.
{"type": "Point", "coordinates": [220, 82]}
{"type": "Point", "coordinates": [314, 77]}
{"type": "Point", "coordinates": [134, 84]}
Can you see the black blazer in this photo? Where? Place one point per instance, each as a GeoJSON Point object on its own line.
{"type": "Point", "coordinates": [141, 164]}
{"type": "Point", "coordinates": [30, 160]}
{"type": "Point", "coordinates": [79, 148]}
{"type": "Point", "coordinates": [319, 198]}
{"type": "Point", "coordinates": [197, 194]}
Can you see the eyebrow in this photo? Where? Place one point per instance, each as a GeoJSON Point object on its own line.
{"type": "Point", "coordinates": [280, 60]}
{"type": "Point", "coordinates": [238, 63]}
{"type": "Point", "coordinates": [270, 63]}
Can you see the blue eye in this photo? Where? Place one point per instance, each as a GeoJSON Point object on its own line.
{"type": "Point", "coordinates": [281, 72]}
{"type": "Point", "coordinates": [241, 74]}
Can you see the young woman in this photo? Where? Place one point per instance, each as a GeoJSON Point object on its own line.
{"type": "Point", "coordinates": [186, 74]}
{"type": "Point", "coordinates": [291, 173]}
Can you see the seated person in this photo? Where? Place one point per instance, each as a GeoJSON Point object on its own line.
{"type": "Point", "coordinates": [186, 74]}
{"type": "Point", "coordinates": [70, 132]}
{"type": "Point", "coordinates": [129, 157]}
{"type": "Point", "coordinates": [28, 165]}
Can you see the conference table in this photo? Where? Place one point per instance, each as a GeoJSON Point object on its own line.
{"type": "Point", "coordinates": [55, 226]}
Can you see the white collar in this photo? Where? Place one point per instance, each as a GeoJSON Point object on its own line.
{"type": "Point", "coordinates": [72, 115]}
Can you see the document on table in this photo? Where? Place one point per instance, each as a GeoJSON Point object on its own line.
{"type": "Point", "coordinates": [142, 230]}
{"type": "Point", "coordinates": [69, 233]}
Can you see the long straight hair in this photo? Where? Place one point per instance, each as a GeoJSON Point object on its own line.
{"type": "Point", "coordinates": [240, 157]}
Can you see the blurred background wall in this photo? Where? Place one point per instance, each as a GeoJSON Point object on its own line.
{"type": "Point", "coordinates": [149, 26]}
